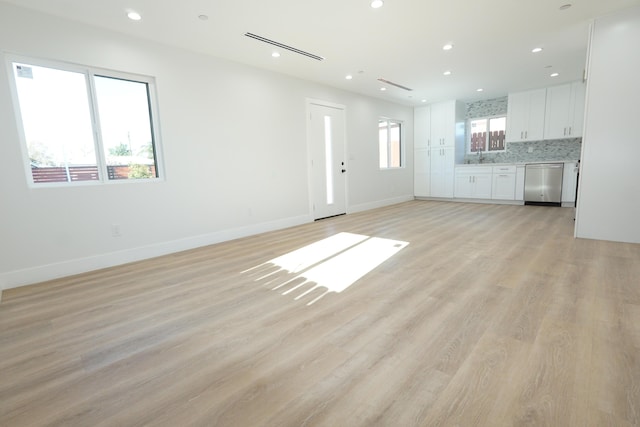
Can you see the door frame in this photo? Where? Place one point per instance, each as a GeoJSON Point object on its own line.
{"type": "Point", "coordinates": [343, 108]}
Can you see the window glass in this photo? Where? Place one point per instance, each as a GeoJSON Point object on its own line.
{"type": "Point", "coordinates": [78, 125]}
{"type": "Point", "coordinates": [56, 120]}
{"type": "Point", "coordinates": [127, 137]}
{"type": "Point", "coordinates": [390, 143]}
{"type": "Point", "coordinates": [487, 134]}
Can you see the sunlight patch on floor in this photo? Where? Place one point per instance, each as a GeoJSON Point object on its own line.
{"type": "Point", "coordinates": [330, 265]}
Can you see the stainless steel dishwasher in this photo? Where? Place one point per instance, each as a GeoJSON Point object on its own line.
{"type": "Point", "coordinates": [543, 184]}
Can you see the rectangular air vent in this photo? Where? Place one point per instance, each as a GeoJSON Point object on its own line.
{"type": "Point", "coordinates": [284, 46]}
{"type": "Point", "coordinates": [394, 84]}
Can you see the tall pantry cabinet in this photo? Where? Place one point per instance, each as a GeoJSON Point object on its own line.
{"type": "Point", "coordinates": [439, 143]}
{"type": "Point", "coordinates": [422, 154]}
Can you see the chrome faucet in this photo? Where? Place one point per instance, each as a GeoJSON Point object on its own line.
{"type": "Point", "coordinates": [480, 158]}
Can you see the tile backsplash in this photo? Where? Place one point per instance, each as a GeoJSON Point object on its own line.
{"type": "Point", "coordinates": [542, 151]}
{"type": "Point", "coordinates": [487, 108]}
{"type": "Point", "coordinates": [518, 152]}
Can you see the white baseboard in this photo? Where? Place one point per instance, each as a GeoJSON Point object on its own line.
{"type": "Point", "coordinates": [379, 204]}
{"type": "Point", "coordinates": [28, 276]}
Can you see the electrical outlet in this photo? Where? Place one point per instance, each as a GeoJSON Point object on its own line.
{"type": "Point", "coordinates": [530, 150]}
{"type": "Point", "coordinates": [115, 230]}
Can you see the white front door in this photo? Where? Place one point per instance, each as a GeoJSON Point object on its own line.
{"type": "Point", "coordinates": [326, 140]}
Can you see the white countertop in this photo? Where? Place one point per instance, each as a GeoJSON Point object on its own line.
{"type": "Point", "coordinates": [512, 163]}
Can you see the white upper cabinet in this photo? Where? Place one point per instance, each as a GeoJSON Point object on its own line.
{"type": "Point", "coordinates": [421, 151]}
{"type": "Point", "coordinates": [443, 124]}
{"type": "Point", "coordinates": [564, 111]}
{"type": "Point", "coordinates": [422, 127]}
{"type": "Point", "coordinates": [525, 115]}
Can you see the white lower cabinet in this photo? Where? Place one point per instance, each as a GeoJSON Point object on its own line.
{"type": "Point", "coordinates": [520, 182]}
{"type": "Point", "coordinates": [422, 172]}
{"type": "Point", "coordinates": [442, 171]}
{"type": "Point", "coordinates": [569, 182]}
{"type": "Point", "coordinates": [504, 183]}
{"type": "Point", "coordinates": [473, 183]}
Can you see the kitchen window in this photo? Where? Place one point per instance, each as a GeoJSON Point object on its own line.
{"type": "Point", "coordinates": [390, 143]}
{"type": "Point", "coordinates": [487, 134]}
{"type": "Point", "coordinates": [79, 124]}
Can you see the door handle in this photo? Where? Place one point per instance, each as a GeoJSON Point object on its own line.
{"type": "Point", "coordinates": [344, 170]}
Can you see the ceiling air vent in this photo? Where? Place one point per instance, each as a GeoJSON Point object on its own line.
{"type": "Point", "coordinates": [284, 46]}
{"type": "Point", "coordinates": [394, 84]}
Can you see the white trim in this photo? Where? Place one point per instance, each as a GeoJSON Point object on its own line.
{"type": "Point", "coordinates": [28, 276]}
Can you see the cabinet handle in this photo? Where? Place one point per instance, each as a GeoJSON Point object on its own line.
{"type": "Point", "coordinates": [526, 134]}
{"type": "Point", "coordinates": [569, 130]}
{"type": "Point", "coordinates": [521, 135]}
{"type": "Point", "coordinates": [565, 132]}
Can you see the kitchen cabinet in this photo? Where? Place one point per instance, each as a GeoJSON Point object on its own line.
{"type": "Point", "coordinates": [504, 183]}
{"type": "Point", "coordinates": [520, 169]}
{"type": "Point", "coordinates": [443, 124]}
{"type": "Point", "coordinates": [564, 111]}
{"type": "Point", "coordinates": [422, 127]}
{"type": "Point", "coordinates": [422, 152]}
{"type": "Point", "coordinates": [438, 145]}
{"type": "Point", "coordinates": [473, 182]}
{"type": "Point", "coordinates": [448, 125]}
{"type": "Point", "coordinates": [422, 172]}
{"type": "Point", "coordinates": [442, 171]}
{"type": "Point", "coordinates": [525, 115]}
{"type": "Point", "coordinates": [569, 182]}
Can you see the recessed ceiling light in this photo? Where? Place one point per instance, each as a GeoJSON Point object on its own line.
{"type": "Point", "coordinates": [383, 89]}
{"type": "Point", "coordinates": [424, 100]}
{"type": "Point", "coordinates": [349, 77]}
{"type": "Point", "coordinates": [479, 90]}
{"type": "Point", "coordinates": [536, 50]}
{"type": "Point", "coordinates": [555, 74]}
{"type": "Point", "coordinates": [276, 54]}
{"type": "Point", "coordinates": [447, 73]}
{"type": "Point", "coordinates": [203, 17]}
{"type": "Point", "coordinates": [134, 16]}
{"type": "Point", "coordinates": [447, 46]}
{"type": "Point", "coordinates": [377, 4]}
{"type": "Point", "coordinates": [565, 6]}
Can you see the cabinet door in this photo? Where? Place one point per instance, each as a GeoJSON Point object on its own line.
{"type": "Point", "coordinates": [483, 185]}
{"type": "Point", "coordinates": [535, 124]}
{"type": "Point", "coordinates": [517, 106]}
{"type": "Point", "coordinates": [442, 172]}
{"type": "Point", "coordinates": [464, 186]}
{"type": "Point", "coordinates": [422, 127]}
{"type": "Point", "coordinates": [557, 112]}
{"type": "Point", "coordinates": [577, 109]}
{"type": "Point", "coordinates": [422, 172]}
{"type": "Point", "coordinates": [504, 186]}
{"type": "Point", "coordinates": [525, 115]}
{"type": "Point", "coordinates": [443, 124]}
{"type": "Point", "coordinates": [520, 183]}
{"type": "Point", "coordinates": [569, 182]}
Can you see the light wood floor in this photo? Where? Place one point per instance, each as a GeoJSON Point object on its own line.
{"type": "Point", "coordinates": [491, 316]}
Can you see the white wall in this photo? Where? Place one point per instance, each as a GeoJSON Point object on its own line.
{"type": "Point", "coordinates": [609, 198]}
{"type": "Point", "coordinates": [235, 157]}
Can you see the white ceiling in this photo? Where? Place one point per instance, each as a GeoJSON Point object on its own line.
{"type": "Point", "coordinates": [401, 42]}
